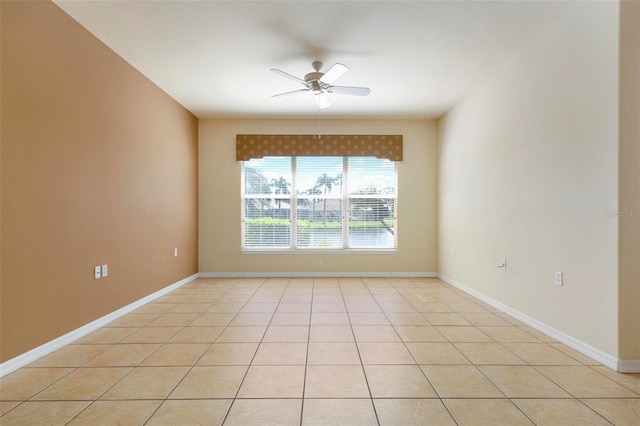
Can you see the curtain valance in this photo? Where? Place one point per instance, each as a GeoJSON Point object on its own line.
{"type": "Point", "coordinates": [258, 146]}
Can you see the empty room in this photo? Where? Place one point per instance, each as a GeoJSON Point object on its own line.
{"type": "Point", "coordinates": [319, 212]}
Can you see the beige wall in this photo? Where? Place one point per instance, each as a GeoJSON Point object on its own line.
{"type": "Point", "coordinates": [528, 168]}
{"type": "Point", "coordinates": [98, 166]}
{"type": "Point", "coordinates": [220, 208]}
{"type": "Point", "coordinates": [629, 204]}
{"type": "Point", "coordinates": [0, 183]}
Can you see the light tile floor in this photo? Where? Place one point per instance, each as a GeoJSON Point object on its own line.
{"type": "Point", "coordinates": [322, 351]}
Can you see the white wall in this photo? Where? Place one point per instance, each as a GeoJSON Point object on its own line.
{"type": "Point", "coordinates": [528, 167]}
{"type": "Point", "coordinates": [220, 207]}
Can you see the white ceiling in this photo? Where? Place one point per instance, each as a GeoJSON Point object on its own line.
{"type": "Point", "coordinates": [418, 57]}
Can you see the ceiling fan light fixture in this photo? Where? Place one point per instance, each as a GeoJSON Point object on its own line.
{"type": "Point", "coordinates": [321, 83]}
{"type": "Point", "coordinates": [315, 86]}
{"type": "Point", "coordinates": [323, 100]}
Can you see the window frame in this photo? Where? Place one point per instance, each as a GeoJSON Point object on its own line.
{"type": "Point", "coordinates": [293, 197]}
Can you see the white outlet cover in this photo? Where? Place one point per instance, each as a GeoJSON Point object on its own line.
{"type": "Point", "coordinates": [96, 273]}
{"type": "Point", "coordinates": [175, 252]}
{"type": "Point", "coordinates": [503, 264]}
{"type": "Point", "coordinates": [105, 270]}
{"type": "Point", "coordinates": [559, 278]}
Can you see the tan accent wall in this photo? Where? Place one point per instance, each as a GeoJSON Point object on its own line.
{"type": "Point", "coordinates": [629, 178]}
{"type": "Point", "coordinates": [529, 172]}
{"type": "Point", "coordinates": [220, 203]}
{"type": "Point", "coordinates": [98, 166]}
{"type": "Point", "coordinates": [0, 183]}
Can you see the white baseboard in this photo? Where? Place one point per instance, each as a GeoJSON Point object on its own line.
{"type": "Point", "coordinates": [45, 349]}
{"type": "Point", "coordinates": [610, 361]}
{"type": "Point", "coordinates": [623, 366]}
{"type": "Point", "coordinates": [318, 274]}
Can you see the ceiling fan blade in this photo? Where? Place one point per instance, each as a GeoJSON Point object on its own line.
{"type": "Point", "coordinates": [323, 100]}
{"type": "Point", "coordinates": [348, 90]}
{"type": "Point", "coordinates": [334, 73]}
{"type": "Point", "coordinates": [289, 76]}
{"type": "Point", "coordinates": [280, 95]}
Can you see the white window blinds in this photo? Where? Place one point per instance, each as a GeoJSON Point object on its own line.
{"type": "Point", "coordinates": [301, 203]}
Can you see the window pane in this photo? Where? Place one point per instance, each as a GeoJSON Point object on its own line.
{"type": "Point", "coordinates": [265, 225]}
{"type": "Point", "coordinates": [267, 203]}
{"type": "Point", "coordinates": [319, 176]}
{"type": "Point", "coordinates": [319, 223]}
{"type": "Point", "coordinates": [319, 187]}
{"type": "Point", "coordinates": [369, 175]}
{"type": "Point", "coordinates": [371, 222]}
{"type": "Point", "coordinates": [269, 175]}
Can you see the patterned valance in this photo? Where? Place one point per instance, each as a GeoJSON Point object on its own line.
{"type": "Point", "coordinates": [258, 146]}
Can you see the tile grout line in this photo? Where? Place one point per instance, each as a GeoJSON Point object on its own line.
{"type": "Point", "coordinates": [193, 365]}
{"type": "Point", "coordinates": [423, 372]}
{"type": "Point", "coordinates": [364, 373]}
{"type": "Point", "coordinates": [416, 361]}
{"type": "Point", "coordinates": [404, 291]}
{"type": "Point", "coordinates": [246, 373]}
{"type": "Point", "coordinates": [233, 399]}
{"type": "Point", "coordinates": [306, 360]}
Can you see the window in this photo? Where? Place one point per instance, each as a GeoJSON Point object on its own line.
{"type": "Point", "coordinates": [301, 203]}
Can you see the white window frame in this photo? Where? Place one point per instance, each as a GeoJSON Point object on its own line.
{"type": "Point", "coordinates": [345, 202]}
{"type": "Point", "coordinates": [293, 198]}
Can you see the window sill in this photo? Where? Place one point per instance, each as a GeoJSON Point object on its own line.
{"type": "Point", "coordinates": [319, 251]}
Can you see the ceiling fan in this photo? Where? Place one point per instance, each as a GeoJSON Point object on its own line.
{"type": "Point", "coordinates": [320, 83]}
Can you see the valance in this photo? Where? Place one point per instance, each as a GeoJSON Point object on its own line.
{"type": "Point", "coordinates": [258, 146]}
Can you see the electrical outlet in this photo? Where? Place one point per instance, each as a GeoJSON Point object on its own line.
{"type": "Point", "coordinates": [319, 263]}
{"type": "Point", "coordinates": [503, 264]}
{"type": "Point", "coordinates": [559, 278]}
{"type": "Point", "coordinates": [175, 252]}
{"type": "Point", "coordinates": [96, 272]}
{"type": "Point", "coordinates": [105, 270]}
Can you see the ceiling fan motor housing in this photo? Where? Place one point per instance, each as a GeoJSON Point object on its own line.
{"type": "Point", "coordinates": [313, 76]}
{"type": "Point", "coordinates": [320, 83]}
